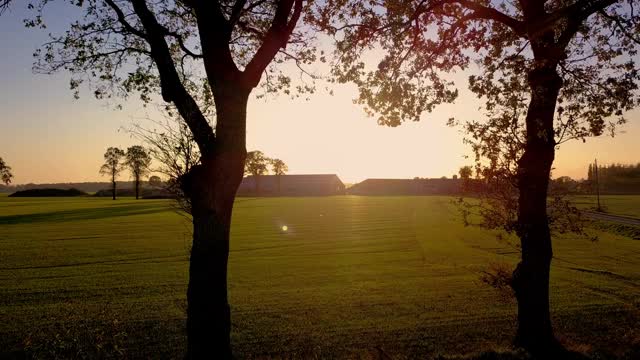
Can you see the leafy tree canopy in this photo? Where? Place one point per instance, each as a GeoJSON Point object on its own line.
{"type": "Point", "coordinates": [112, 162]}
{"type": "Point", "coordinates": [279, 167]}
{"type": "Point", "coordinates": [256, 163]}
{"type": "Point", "coordinates": [5, 172]}
{"type": "Point", "coordinates": [138, 160]}
{"type": "Point", "coordinates": [416, 42]}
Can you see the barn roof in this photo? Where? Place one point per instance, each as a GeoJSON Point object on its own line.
{"type": "Point", "coordinates": [405, 186]}
{"type": "Point", "coordinates": [302, 178]}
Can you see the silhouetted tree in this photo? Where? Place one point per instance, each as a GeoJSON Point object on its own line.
{"type": "Point", "coordinates": [172, 146]}
{"type": "Point", "coordinates": [279, 168]}
{"type": "Point", "coordinates": [155, 181]}
{"type": "Point", "coordinates": [465, 172]}
{"type": "Point", "coordinates": [256, 165]}
{"type": "Point", "coordinates": [538, 60]}
{"type": "Point", "coordinates": [138, 161]}
{"type": "Point", "coordinates": [204, 58]}
{"type": "Point", "coordinates": [5, 172]}
{"type": "Point", "coordinates": [112, 166]}
{"type": "Point", "coordinates": [615, 178]}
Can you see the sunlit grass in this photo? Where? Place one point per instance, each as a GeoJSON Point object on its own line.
{"type": "Point", "coordinates": [324, 276]}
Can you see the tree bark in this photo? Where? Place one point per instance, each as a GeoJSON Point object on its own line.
{"type": "Point", "coordinates": [531, 276]}
{"type": "Point", "coordinates": [212, 187]}
{"type": "Point", "coordinates": [113, 188]}
{"type": "Point", "coordinates": [137, 187]}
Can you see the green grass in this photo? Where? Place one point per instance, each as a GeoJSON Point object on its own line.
{"type": "Point", "coordinates": [352, 275]}
{"type": "Point", "coordinates": [625, 205]}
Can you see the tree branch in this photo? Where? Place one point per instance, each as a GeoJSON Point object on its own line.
{"type": "Point", "coordinates": [215, 34]}
{"type": "Point", "coordinates": [123, 19]}
{"type": "Point", "coordinates": [181, 43]}
{"type": "Point", "coordinates": [172, 88]}
{"type": "Point", "coordinates": [622, 27]}
{"type": "Point", "coordinates": [574, 14]}
{"type": "Point", "coordinates": [489, 13]}
{"type": "Point", "coordinates": [275, 39]}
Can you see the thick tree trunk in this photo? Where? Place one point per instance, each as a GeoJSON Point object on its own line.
{"type": "Point", "coordinates": [208, 312]}
{"type": "Point", "coordinates": [212, 188]}
{"type": "Point", "coordinates": [531, 277]}
{"type": "Point", "coordinates": [113, 189]}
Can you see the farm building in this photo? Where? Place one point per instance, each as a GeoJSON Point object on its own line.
{"type": "Point", "coordinates": [407, 187]}
{"type": "Point", "coordinates": [292, 185]}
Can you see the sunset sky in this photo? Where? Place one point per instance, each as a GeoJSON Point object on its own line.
{"type": "Point", "coordinates": [46, 136]}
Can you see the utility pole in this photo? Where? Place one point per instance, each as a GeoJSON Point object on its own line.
{"type": "Point", "coordinates": [599, 209]}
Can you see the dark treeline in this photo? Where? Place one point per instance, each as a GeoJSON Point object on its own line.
{"type": "Point", "coordinates": [89, 187]}
{"type": "Point", "coordinates": [615, 178]}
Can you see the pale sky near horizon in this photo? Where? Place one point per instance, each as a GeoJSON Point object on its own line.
{"type": "Point", "coordinates": [46, 136]}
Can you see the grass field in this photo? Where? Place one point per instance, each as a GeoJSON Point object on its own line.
{"type": "Point", "coordinates": [625, 205]}
{"type": "Point", "coordinates": [88, 277]}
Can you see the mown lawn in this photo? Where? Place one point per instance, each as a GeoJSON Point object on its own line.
{"type": "Point", "coordinates": [351, 277]}
{"type": "Point", "coordinates": [625, 205]}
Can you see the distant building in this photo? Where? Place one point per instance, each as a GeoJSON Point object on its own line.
{"type": "Point", "coordinates": [292, 185]}
{"type": "Point", "coordinates": [407, 187]}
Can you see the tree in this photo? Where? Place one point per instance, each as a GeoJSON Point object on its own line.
{"type": "Point", "coordinates": [112, 166]}
{"type": "Point", "coordinates": [465, 172]}
{"type": "Point", "coordinates": [5, 172]}
{"type": "Point", "coordinates": [173, 148]}
{"type": "Point", "coordinates": [256, 165]}
{"type": "Point", "coordinates": [155, 181]}
{"type": "Point", "coordinates": [279, 168]}
{"type": "Point", "coordinates": [138, 161]}
{"type": "Point", "coordinates": [549, 71]}
{"type": "Point", "coordinates": [203, 58]}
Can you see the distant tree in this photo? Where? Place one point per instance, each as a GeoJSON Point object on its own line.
{"type": "Point", "coordinates": [155, 181]}
{"type": "Point", "coordinates": [138, 161]}
{"type": "Point", "coordinates": [279, 168]}
{"type": "Point", "coordinates": [112, 166]}
{"type": "Point", "coordinates": [615, 178]}
{"type": "Point", "coordinates": [465, 172]}
{"type": "Point", "coordinates": [256, 164]}
{"type": "Point", "coordinates": [5, 172]}
{"type": "Point", "coordinates": [454, 176]}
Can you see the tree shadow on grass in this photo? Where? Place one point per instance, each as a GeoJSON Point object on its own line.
{"type": "Point", "coordinates": [84, 214]}
{"type": "Point", "coordinates": [562, 354]}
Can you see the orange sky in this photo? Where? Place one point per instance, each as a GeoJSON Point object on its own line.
{"type": "Point", "coordinates": [46, 136]}
{"type": "Point", "coordinates": [327, 134]}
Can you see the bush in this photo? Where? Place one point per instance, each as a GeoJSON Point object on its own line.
{"type": "Point", "coordinates": [48, 193]}
{"type": "Point", "coordinates": [145, 193]}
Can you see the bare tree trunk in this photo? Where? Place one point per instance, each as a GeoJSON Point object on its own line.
{"type": "Point", "coordinates": [137, 186]}
{"type": "Point", "coordinates": [531, 277]}
{"type": "Point", "coordinates": [113, 188]}
{"type": "Point", "coordinates": [212, 187]}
